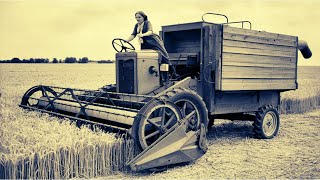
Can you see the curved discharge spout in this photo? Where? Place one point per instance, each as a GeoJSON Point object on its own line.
{"type": "Point", "coordinates": [304, 49]}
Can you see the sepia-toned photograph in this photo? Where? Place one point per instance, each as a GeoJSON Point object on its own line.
{"type": "Point", "coordinates": [171, 89]}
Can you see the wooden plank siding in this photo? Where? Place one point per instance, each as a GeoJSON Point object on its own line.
{"type": "Point", "coordinates": [257, 60]}
{"type": "Point", "coordinates": [248, 32]}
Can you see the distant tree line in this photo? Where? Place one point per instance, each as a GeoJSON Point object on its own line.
{"type": "Point", "coordinates": [54, 60]}
{"type": "Point", "coordinates": [31, 60]}
{"type": "Point", "coordinates": [105, 61]}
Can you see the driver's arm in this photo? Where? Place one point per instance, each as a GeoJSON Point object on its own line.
{"type": "Point", "coordinates": [133, 34]}
{"type": "Point", "coordinates": [150, 30]}
{"type": "Point", "coordinates": [130, 38]}
{"type": "Point", "coordinates": [147, 33]}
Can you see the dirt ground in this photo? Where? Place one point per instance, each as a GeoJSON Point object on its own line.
{"type": "Point", "coordinates": [235, 153]}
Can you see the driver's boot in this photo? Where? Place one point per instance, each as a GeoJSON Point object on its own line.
{"type": "Point", "coordinates": [174, 74]}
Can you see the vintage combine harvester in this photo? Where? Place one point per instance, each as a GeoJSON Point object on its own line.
{"type": "Point", "coordinates": [226, 72]}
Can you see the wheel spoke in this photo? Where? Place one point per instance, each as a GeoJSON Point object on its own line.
{"type": "Point", "coordinates": [163, 116]}
{"type": "Point", "coordinates": [159, 112]}
{"type": "Point", "coordinates": [170, 120]}
{"type": "Point", "coordinates": [152, 134]}
{"type": "Point", "coordinates": [121, 42]}
{"type": "Point", "coordinates": [153, 122]}
{"type": "Point", "coordinates": [117, 44]}
{"type": "Point", "coordinates": [184, 107]}
{"type": "Point", "coordinates": [191, 114]}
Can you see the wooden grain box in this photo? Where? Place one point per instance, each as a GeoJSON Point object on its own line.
{"type": "Point", "coordinates": [256, 60]}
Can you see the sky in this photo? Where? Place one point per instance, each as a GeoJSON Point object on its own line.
{"type": "Point", "coordinates": [86, 28]}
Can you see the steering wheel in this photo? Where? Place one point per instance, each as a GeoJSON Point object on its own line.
{"type": "Point", "coordinates": [123, 44]}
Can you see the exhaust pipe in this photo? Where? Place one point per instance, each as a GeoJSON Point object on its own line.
{"type": "Point", "coordinates": [304, 49]}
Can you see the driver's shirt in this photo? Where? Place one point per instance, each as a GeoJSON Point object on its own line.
{"type": "Point", "coordinates": [139, 28]}
{"type": "Point", "coordinates": [139, 31]}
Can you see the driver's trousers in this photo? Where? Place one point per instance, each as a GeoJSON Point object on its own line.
{"type": "Point", "coordinates": [154, 42]}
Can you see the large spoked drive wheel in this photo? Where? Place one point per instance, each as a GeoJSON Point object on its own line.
{"type": "Point", "coordinates": [189, 102]}
{"type": "Point", "coordinates": [35, 94]}
{"type": "Point", "coordinates": [267, 123]}
{"type": "Point", "coordinates": [155, 119]}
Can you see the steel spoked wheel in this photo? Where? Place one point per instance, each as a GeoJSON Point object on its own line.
{"type": "Point", "coordinates": [38, 93]}
{"type": "Point", "coordinates": [189, 102]}
{"type": "Point", "coordinates": [186, 108]}
{"type": "Point", "coordinates": [154, 121]}
{"type": "Point", "coordinates": [267, 123]}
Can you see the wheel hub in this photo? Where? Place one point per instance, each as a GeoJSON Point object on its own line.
{"type": "Point", "coordinates": [187, 107]}
{"type": "Point", "coordinates": [163, 129]}
{"type": "Point", "coordinates": [269, 123]}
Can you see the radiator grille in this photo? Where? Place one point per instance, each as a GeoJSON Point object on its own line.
{"type": "Point", "coordinates": [126, 76]}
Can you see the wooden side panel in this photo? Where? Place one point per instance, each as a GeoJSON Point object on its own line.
{"type": "Point", "coordinates": [264, 34]}
{"type": "Point", "coordinates": [264, 61]}
{"type": "Point", "coordinates": [255, 60]}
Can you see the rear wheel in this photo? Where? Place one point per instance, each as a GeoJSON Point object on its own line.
{"type": "Point", "coordinates": [187, 102]}
{"type": "Point", "coordinates": [267, 122]}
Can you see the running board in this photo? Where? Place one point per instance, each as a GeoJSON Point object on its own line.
{"type": "Point", "coordinates": [174, 147]}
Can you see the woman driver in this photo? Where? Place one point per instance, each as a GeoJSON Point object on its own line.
{"type": "Point", "coordinates": [149, 40]}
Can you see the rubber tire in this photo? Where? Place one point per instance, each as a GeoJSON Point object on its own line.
{"type": "Point", "coordinates": [182, 93]}
{"type": "Point", "coordinates": [257, 125]}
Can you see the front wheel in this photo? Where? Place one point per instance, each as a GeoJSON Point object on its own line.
{"type": "Point", "coordinates": [267, 122]}
{"type": "Point", "coordinates": [153, 121]}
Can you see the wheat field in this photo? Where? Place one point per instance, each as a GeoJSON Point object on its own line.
{"type": "Point", "coordinates": [34, 145]}
{"type": "Point", "coordinates": [307, 96]}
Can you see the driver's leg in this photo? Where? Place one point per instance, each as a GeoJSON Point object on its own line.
{"type": "Point", "coordinates": [155, 43]}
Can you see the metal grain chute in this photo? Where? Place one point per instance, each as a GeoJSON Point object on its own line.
{"type": "Point", "coordinates": [304, 49]}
